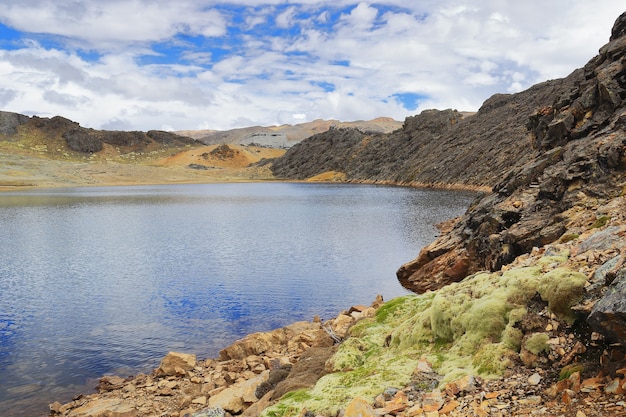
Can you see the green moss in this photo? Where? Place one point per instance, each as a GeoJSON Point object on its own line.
{"type": "Point", "coordinates": [568, 370]}
{"type": "Point", "coordinates": [600, 222]}
{"type": "Point", "coordinates": [465, 328]}
{"type": "Point", "coordinates": [537, 343]}
{"type": "Point", "coordinates": [389, 308]}
{"type": "Point", "coordinates": [493, 359]}
{"type": "Point", "coordinates": [568, 237]}
{"type": "Point", "coordinates": [562, 288]}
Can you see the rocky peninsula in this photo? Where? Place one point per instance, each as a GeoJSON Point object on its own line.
{"type": "Point", "coordinates": [518, 306]}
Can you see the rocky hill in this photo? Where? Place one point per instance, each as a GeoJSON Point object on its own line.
{"type": "Point", "coordinates": [50, 152]}
{"type": "Point", "coordinates": [539, 153]}
{"type": "Point", "coordinates": [71, 136]}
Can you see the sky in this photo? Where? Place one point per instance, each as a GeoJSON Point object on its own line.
{"type": "Point", "coordinates": [219, 65]}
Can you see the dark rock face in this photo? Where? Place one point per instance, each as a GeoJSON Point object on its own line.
{"type": "Point", "coordinates": [608, 315]}
{"type": "Point", "coordinates": [537, 150]}
{"type": "Point", "coordinates": [89, 140]}
{"type": "Point", "coordinates": [9, 122]}
{"type": "Point", "coordinates": [579, 145]}
{"type": "Point", "coordinates": [85, 140]}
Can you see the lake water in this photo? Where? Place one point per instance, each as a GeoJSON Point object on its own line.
{"type": "Point", "coordinates": [107, 280]}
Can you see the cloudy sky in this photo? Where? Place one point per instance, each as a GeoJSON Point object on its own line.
{"type": "Point", "coordinates": [208, 64]}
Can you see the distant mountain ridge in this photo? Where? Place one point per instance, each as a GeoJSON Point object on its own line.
{"type": "Point", "coordinates": [285, 136]}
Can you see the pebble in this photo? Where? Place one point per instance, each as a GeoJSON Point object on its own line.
{"type": "Point", "coordinates": [534, 379]}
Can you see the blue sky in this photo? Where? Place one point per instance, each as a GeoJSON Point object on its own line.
{"type": "Point", "coordinates": [203, 64]}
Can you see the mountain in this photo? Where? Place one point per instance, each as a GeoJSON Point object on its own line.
{"type": "Point", "coordinates": [51, 152]}
{"type": "Point", "coordinates": [285, 136]}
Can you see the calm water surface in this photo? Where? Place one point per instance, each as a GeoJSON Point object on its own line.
{"type": "Point", "coordinates": [107, 280]}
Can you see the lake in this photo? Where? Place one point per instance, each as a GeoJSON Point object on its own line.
{"type": "Point", "coordinates": [107, 280]}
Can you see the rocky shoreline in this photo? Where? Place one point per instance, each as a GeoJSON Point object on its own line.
{"type": "Point", "coordinates": [561, 366]}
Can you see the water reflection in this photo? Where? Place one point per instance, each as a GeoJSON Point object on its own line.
{"type": "Point", "coordinates": [107, 280]}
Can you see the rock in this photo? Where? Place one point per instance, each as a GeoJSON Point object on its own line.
{"type": "Point", "coordinates": [176, 363]}
{"type": "Point", "coordinates": [9, 122]}
{"type": "Point", "coordinates": [234, 398]}
{"type": "Point", "coordinates": [200, 400]}
{"type": "Point", "coordinates": [105, 407]}
{"type": "Point", "coordinates": [210, 412]}
{"type": "Point", "coordinates": [433, 401]}
{"type": "Point", "coordinates": [602, 240]}
{"type": "Point", "coordinates": [358, 407]}
{"type": "Point", "coordinates": [341, 325]}
{"type": "Point", "coordinates": [534, 379]}
{"type": "Point", "coordinates": [608, 315]}
{"type": "Point", "coordinates": [257, 408]}
{"type": "Point", "coordinates": [305, 372]}
{"type": "Point", "coordinates": [257, 343]}
{"type": "Point", "coordinates": [109, 383]}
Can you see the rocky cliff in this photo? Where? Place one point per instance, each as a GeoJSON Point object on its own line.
{"type": "Point", "coordinates": [541, 152]}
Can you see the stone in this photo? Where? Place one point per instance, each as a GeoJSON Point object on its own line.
{"type": "Point", "coordinates": [233, 398]}
{"type": "Point", "coordinates": [608, 315]}
{"type": "Point", "coordinates": [358, 407]}
{"type": "Point", "coordinates": [466, 384]}
{"type": "Point", "coordinates": [105, 407]}
{"type": "Point", "coordinates": [257, 408]}
{"type": "Point", "coordinates": [210, 412]}
{"type": "Point", "coordinates": [449, 407]}
{"type": "Point", "coordinates": [424, 366]}
{"type": "Point", "coordinates": [432, 401]}
{"type": "Point", "coordinates": [258, 343]}
{"type": "Point", "coordinates": [534, 379]}
{"type": "Point", "coordinates": [200, 400]}
{"type": "Point", "coordinates": [341, 325]}
{"type": "Point", "coordinates": [176, 363]}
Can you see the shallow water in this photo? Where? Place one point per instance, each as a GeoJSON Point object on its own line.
{"type": "Point", "coordinates": [107, 280]}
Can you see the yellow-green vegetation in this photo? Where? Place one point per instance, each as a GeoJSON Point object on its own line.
{"type": "Point", "coordinates": [600, 222]}
{"type": "Point", "coordinates": [569, 370]}
{"type": "Point", "coordinates": [568, 237]}
{"type": "Point", "coordinates": [537, 343]}
{"type": "Point", "coordinates": [465, 328]}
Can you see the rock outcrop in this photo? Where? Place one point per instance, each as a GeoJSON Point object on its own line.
{"type": "Point", "coordinates": [542, 151]}
{"type": "Point", "coordinates": [89, 141]}
{"type": "Point", "coordinates": [579, 145]}
{"type": "Point", "coordinates": [10, 121]}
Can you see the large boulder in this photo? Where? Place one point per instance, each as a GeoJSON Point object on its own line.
{"type": "Point", "coordinates": [9, 122]}
{"type": "Point", "coordinates": [608, 315]}
{"type": "Point", "coordinates": [176, 363]}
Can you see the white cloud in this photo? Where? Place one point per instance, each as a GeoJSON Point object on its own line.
{"type": "Point", "coordinates": [153, 64]}
{"type": "Point", "coordinates": [286, 18]}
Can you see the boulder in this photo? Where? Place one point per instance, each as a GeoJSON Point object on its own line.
{"type": "Point", "coordinates": [358, 407]}
{"type": "Point", "coordinates": [105, 407]}
{"type": "Point", "coordinates": [176, 363]}
{"type": "Point", "coordinates": [608, 315]}
{"type": "Point", "coordinates": [237, 397]}
{"type": "Point", "coordinates": [258, 343]}
{"type": "Point", "coordinates": [306, 372]}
